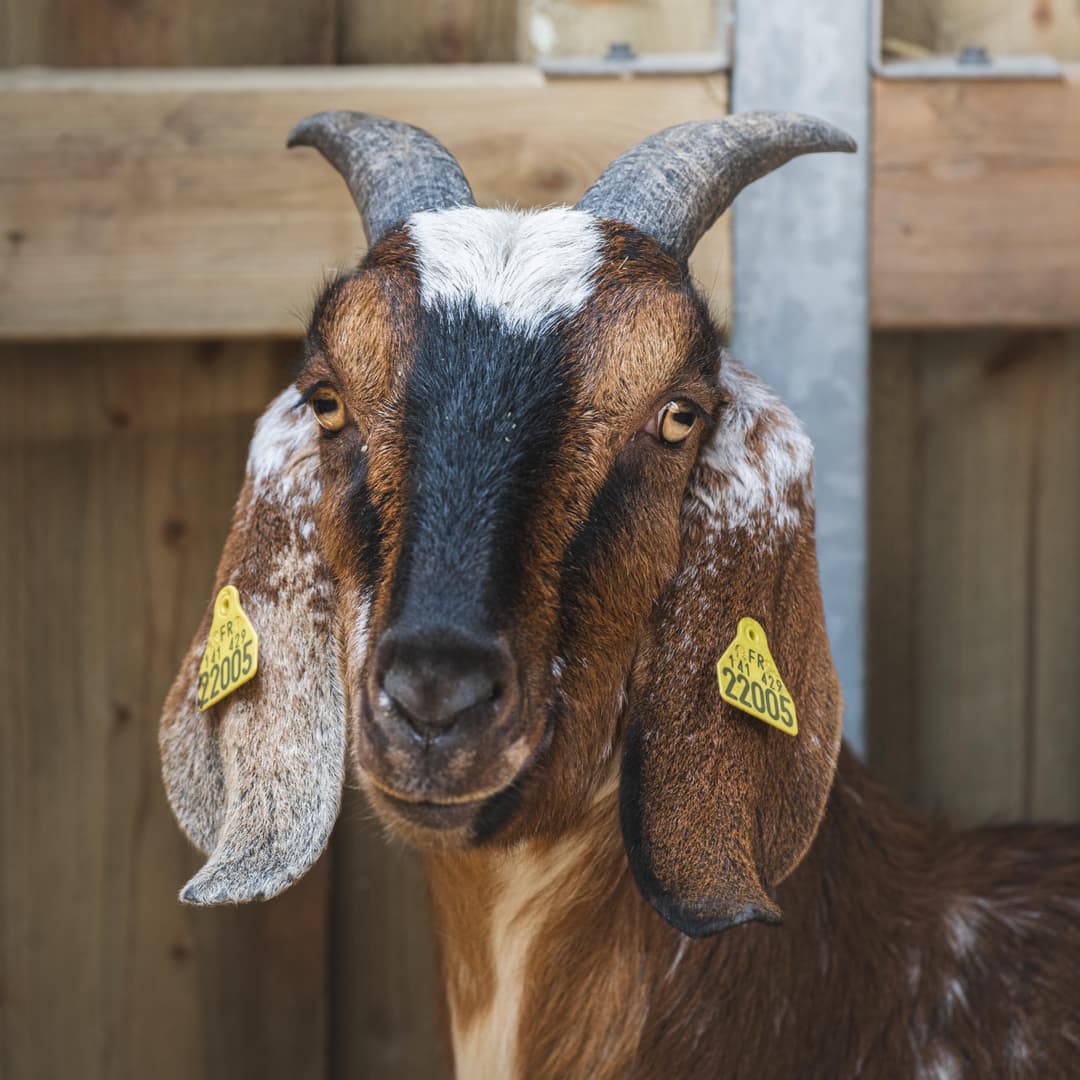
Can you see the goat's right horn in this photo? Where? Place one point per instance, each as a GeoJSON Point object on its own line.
{"type": "Point", "coordinates": [673, 185]}
{"type": "Point", "coordinates": [392, 169]}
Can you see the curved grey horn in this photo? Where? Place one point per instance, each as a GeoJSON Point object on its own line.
{"type": "Point", "coordinates": [675, 184]}
{"type": "Point", "coordinates": [392, 169]}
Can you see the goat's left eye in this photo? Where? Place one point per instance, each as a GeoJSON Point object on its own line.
{"type": "Point", "coordinates": [328, 408]}
{"type": "Point", "coordinates": [673, 423]}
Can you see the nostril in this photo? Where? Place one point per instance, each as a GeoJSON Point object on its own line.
{"type": "Point", "coordinates": [432, 694]}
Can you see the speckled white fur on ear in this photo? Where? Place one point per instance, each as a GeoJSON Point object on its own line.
{"type": "Point", "coordinates": [762, 456]}
{"type": "Point", "coordinates": [256, 780]}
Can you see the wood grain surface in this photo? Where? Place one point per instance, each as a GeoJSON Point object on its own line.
{"type": "Point", "coordinates": [166, 205]}
{"type": "Point", "coordinates": [975, 207]}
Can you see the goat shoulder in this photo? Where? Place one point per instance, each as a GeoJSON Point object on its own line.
{"type": "Point", "coordinates": [908, 949]}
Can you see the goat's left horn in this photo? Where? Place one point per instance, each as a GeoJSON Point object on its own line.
{"type": "Point", "coordinates": [673, 185]}
{"type": "Point", "coordinates": [392, 169]}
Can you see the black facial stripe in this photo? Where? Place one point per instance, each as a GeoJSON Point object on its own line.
{"type": "Point", "coordinates": [484, 414]}
{"type": "Point", "coordinates": [365, 524]}
{"type": "Point", "coordinates": [496, 811]}
{"type": "Point", "coordinates": [708, 345]}
{"type": "Point", "coordinates": [609, 514]}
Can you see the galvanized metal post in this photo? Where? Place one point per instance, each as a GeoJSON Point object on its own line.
{"type": "Point", "coordinates": [801, 310]}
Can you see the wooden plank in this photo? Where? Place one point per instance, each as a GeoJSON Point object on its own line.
{"type": "Point", "coordinates": [449, 32]}
{"type": "Point", "coordinates": [910, 22]}
{"type": "Point", "coordinates": [975, 520]}
{"type": "Point", "coordinates": [120, 500]}
{"type": "Point", "coordinates": [894, 494]}
{"type": "Point", "coordinates": [975, 222]}
{"type": "Point", "coordinates": [385, 994]}
{"type": "Point", "coordinates": [165, 204]}
{"type": "Point", "coordinates": [117, 476]}
{"type": "Point", "coordinates": [6, 17]}
{"type": "Point", "coordinates": [160, 33]}
{"type": "Point", "coordinates": [1005, 27]}
{"type": "Point", "coordinates": [975, 217]}
{"type": "Point", "coordinates": [977, 396]}
{"type": "Point", "coordinates": [560, 28]}
{"type": "Point", "coordinates": [1054, 785]}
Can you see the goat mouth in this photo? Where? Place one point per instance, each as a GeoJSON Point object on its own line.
{"type": "Point", "coordinates": [447, 802]}
{"type": "Point", "coordinates": [475, 816]}
{"type": "Point", "coordinates": [426, 817]}
{"type": "Point", "coordinates": [430, 815]}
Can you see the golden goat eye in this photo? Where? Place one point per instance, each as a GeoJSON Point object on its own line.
{"type": "Point", "coordinates": [328, 408]}
{"type": "Point", "coordinates": [674, 422]}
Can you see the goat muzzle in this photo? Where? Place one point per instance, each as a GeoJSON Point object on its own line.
{"type": "Point", "coordinates": [441, 723]}
{"type": "Point", "coordinates": [442, 687]}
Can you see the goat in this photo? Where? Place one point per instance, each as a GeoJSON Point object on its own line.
{"type": "Point", "coordinates": [501, 530]}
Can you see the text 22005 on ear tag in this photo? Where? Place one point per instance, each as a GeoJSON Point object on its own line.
{"type": "Point", "coordinates": [750, 681]}
{"type": "Point", "coordinates": [232, 651]}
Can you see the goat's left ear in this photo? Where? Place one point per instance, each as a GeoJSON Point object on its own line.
{"type": "Point", "coordinates": [255, 781]}
{"type": "Point", "coordinates": [718, 807]}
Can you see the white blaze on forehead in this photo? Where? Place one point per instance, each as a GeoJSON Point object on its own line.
{"type": "Point", "coordinates": [527, 267]}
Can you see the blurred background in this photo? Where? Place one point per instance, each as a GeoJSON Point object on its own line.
{"type": "Point", "coordinates": [158, 252]}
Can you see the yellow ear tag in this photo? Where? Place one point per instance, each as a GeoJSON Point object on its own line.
{"type": "Point", "coordinates": [232, 650]}
{"type": "Point", "coordinates": [749, 679]}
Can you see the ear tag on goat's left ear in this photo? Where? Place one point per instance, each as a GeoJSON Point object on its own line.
{"type": "Point", "coordinates": [232, 650]}
{"type": "Point", "coordinates": [750, 681]}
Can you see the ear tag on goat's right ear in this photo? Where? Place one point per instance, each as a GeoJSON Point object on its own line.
{"type": "Point", "coordinates": [750, 681]}
{"type": "Point", "coordinates": [232, 650]}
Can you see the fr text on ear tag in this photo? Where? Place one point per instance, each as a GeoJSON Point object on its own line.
{"type": "Point", "coordinates": [750, 681]}
{"type": "Point", "coordinates": [232, 651]}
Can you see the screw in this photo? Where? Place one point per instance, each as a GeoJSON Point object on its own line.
{"type": "Point", "coordinates": [974, 55]}
{"type": "Point", "coordinates": [620, 51]}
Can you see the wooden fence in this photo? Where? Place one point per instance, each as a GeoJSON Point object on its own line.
{"type": "Point", "coordinates": [120, 459]}
{"type": "Point", "coordinates": [974, 627]}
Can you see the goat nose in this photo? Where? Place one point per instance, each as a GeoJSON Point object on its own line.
{"type": "Point", "coordinates": [432, 687]}
{"type": "Point", "coordinates": [432, 702]}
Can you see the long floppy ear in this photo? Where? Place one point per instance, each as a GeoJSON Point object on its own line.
{"type": "Point", "coordinates": [255, 781]}
{"type": "Point", "coordinates": [718, 807]}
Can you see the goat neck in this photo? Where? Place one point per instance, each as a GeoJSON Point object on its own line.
{"type": "Point", "coordinates": [906, 951]}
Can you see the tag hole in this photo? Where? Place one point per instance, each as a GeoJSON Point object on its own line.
{"type": "Point", "coordinates": [751, 635]}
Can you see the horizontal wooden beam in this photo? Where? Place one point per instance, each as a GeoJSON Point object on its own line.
{"type": "Point", "coordinates": [976, 204]}
{"type": "Point", "coordinates": [164, 204]}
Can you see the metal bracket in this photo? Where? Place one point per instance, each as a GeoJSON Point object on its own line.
{"type": "Point", "coordinates": [971, 63]}
{"type": "Point", "coordinates": [621, 60]}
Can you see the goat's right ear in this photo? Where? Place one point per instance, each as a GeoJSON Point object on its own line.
{"type": "Point", "coordinates": [717, 807]}
{"type": "Point", "coordinates": [255, 781]}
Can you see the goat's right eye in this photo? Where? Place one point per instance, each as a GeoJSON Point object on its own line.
{"type": "Point", "coordinates": [673, 423]}
{"type": "Point", "coordinates": [328, 408]}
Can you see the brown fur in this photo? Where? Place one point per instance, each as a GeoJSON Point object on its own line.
{"type": "Point", "coordinates": [637, 339]}
{"type": "Point", "coordinates": [906, 949]}
{"type": "Point", "coordinates": [735, 788]}
{"type": "Point", "coordinates": [255, 781]}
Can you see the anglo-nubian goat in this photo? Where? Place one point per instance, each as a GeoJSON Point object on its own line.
{"type": "Point", "coordinates": [495, 540]}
